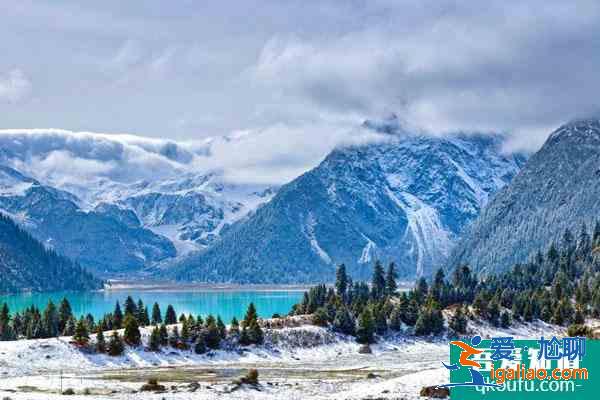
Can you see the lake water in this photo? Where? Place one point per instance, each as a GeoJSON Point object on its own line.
{"type": "Point", "coordinates": [226, 303]}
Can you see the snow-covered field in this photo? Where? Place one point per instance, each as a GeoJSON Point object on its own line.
{"type": "Point", "coordinates": [306, 362]}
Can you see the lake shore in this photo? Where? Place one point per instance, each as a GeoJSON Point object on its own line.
{"type": "Point", "coordinates": [167, 286]}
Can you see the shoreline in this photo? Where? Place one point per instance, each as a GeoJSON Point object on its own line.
{"type": "Point", "coordinates": [118, 285]}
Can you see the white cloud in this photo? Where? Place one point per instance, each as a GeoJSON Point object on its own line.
{"type": "Point", "coordinates": [14, 86]}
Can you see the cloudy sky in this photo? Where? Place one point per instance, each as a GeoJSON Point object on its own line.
{"type": "Point", "coordinates": [296, 76]}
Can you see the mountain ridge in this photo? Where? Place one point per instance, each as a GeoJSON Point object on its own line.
{"type": "Point", "coordinates": [555, 191]}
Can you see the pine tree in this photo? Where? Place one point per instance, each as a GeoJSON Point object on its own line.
{"type": "Point", "coordinates": [130, 306]}
{"type": "Point", "coordinates": [211, 335]}
{"type": "Point", "coordinates": [115, 345]}
{"type": "Point", "coordinates": [81, 336]}
{"type": "Point", "coordinates": [221, 327]}
{"type": "Point", "coordinates": [64, 314]}
{"type": "Point", "coordinates": [366, 327]}
{"type": "Point", "coordinates": [251, 315]}
{"type": "Point", "coordinates": [234, 329]}
{"type": "Point", "coordinates": [390, 280]}
{"type": "Point", "coordinates": [6, 331]}
{"type": "Point", "coordinates": [255, 333]}
{"type": "Point", "coordinates": [164, 335]}
{"type": "Point", "coordinates": [185, 331]}
{"type": "Point", "coordinates": [421, 290]}
{"type": "Point", "coordinates": [171, 316]}
{"type": "Point", "coordinates": [320, 317]}
{"type": "Point", "coordinates": [343, 322]}
{"type": "Point", "coordinates": [174, 338]}
{"type": "Point", "coordinates": [132, 334]}
{"type": "Point", "coordinates": [341, 281]}
{"type": "Point", "coordinates": [379, 319]}
{"type": "Point", "coordinates": [117, 317]}
{"type": "Point", "coordinates": [504, 319]}
{"type": "Point", "coordinates": [200, 345]}
{"type": "Point", "coordinates": [142, 314]}
{"type": "Point", "coordinates": [69, 327]}
{"type": "Point", "coordinates": [395, 319]}
{"type": "Point", "coordinates": [156, 315]}
{"type": "Point", "coordinates": [50, 320]}
{"type": "Point", "coordinates": [155, 342]}
{"type": "Point", "coordinates": [378, 282]}
{"type": "Point", "coordinates": [458, 322]}
{"type": "Point", "coordinates": [100, 342]}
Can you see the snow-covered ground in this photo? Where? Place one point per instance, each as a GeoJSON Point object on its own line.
{"type": "Point", "coordinates": [305, 362]}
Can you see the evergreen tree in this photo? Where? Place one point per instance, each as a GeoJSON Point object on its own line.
{"type": "Point", "coordinates": [142, 314]}
{"type": "Point", "coordinates": [117, 317]}
{"type": "Point", "coordinates": [379, 318]}
{"type": "Point", "coordinates": [115, 345]}
{"type": "Point", "coordinates": [221, 327]}
{"type": "Point", "coordinates": [378, 282]}
{"type": "Point", "coordinates": [130, 306]}
{"type": "Point", "coordinates": [6, 331]}
{"type": "Point", "coordinates": [164, 335]}
{"type": "Point", "coordinates": [320, 317]}
{"type": "Point", "coordinates": [341, 281]}
{"type": "Point", "coordinates": [493, 312]}
{"type": "Point", "coordinates": [211, 334]}
{"type": "Point", "coordinates": [81, 336]}
{"type": "Point", "coordinates": [132, 335]}
{"type": "Point", "coordinates": [100, 341]}
{"type": "Point", "coordinates": [504, 319]}
{"type": "Point", "coordinates": [396, 319]}
{"type": "Point", "coordinates": [458, 322]}
{"type": "Point", "coordinates": [421, 290]}
{"type": "Point", "coordinates": [411, 314]}
{"type": "Point", "coordinates": [365, 332]}
{"type": "Point", "coordinates": [155, 342]}
{"type": "Point", "coordinates": [200, 345]}
{"type": "Point", "coordinates": [50, 320]}
{"type": "Point", "coordinates": [89, 320]}
{"type": "Point", "coordinates": [174, 338]}
{"type": "Point", "coordinates": [343, 322]}
{"type": "Point", "coordinates": [170, 316]}
{"type": "Point", "coordinates": [69, 328]}
{"type": "Point", "coordinates": [251, 315]}
{"type": "Point", "coordinates": [390, 280]}
{"type": "Point", "coordinates": [156, 315]}
{"type": "Point", "coordinates": [234, 329]}
{"type": "Point", "coordinates": [185, 331]}
{"type": "Point", "coordinates": [65, 313]}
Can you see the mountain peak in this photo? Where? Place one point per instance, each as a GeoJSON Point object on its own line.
{"type": "Point", "coordinates": [578, 129]}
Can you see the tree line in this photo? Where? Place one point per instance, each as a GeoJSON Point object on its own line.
{"type": "Point", "coordinates": [560, 286]}
{"type": "Point", "coordinates": [196, 333]}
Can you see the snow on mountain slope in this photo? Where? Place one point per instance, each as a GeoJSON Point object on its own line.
{"type": "Point", "coordinates": [152, 199]}
{"type": "Point", "coordinates": [405, 199]}
{"type": "Point", "coordinates": [557, 189]}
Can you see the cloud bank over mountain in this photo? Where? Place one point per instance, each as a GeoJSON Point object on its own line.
{"type": "Point", "coordinates": [298, 75]}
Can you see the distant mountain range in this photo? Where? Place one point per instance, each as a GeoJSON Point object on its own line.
{"type": "Point", "coordinates": [116, 204]}
{"type": "Point", "coordinates": [122, 204]}
{"type": "Point", "coordinates": [405, 199]}
{"type": "Point", "coordinates": [26, 265]}
{"type": "Point", "coordinates": [557, 189]}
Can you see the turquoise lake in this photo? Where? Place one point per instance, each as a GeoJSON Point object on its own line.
{"type": "Point", "coordinates": [226, 303]}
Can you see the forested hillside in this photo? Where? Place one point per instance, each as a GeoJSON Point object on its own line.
{"type": "Point", "coordinates": [26, 265]}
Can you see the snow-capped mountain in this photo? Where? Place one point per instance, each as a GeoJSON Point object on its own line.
{"type": "Point", "coordinates": [405, 199]}
{"type": "Point", "coordinates": [557, 189]}
{"type": "Point", "coordinates": [117, 203]}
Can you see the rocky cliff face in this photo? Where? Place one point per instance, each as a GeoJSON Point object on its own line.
{"type": "Point", "coordinates": [405, 199]}
{"type": "Point", "coordinates": [558, 188]}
